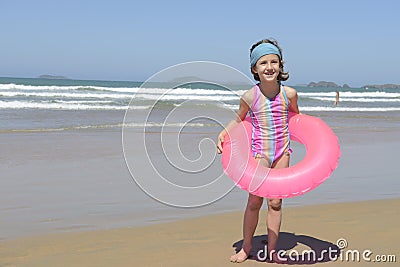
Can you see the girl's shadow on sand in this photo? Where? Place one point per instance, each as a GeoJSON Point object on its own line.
{"type": "Point", "coordinates": [318, 250]}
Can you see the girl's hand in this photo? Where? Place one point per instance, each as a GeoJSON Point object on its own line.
{"type": "Point", "coordinates": [221, 138]}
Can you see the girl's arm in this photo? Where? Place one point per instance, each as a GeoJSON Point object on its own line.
{"type": "Point", "coordinates": [244, 107]}
{"type": "Point", "coordinates": [291, 93]}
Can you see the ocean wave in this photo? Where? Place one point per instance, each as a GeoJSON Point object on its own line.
{"type": "Point", "coordinates": [351, 109]}
{"type": "Point", "coordinates": [175, 97]}
{"type": "Point", "coordinates": [138, 126]}
{"type": "Point", "coordinates": [166, 125]}
{"type": "Point", "coordinates": [87, 105]}
{"type": "Point", "coordinates": [63, 106]}
{"type": "Point", "coordinates": [361, 99]}
{"type": "Point", "coordinates": [324, 108]}
{"type": "Point", "coordinates": [92, 102]}
{"type": "Point", "coordinates": [12, 86]}
{"type": "Point", "coordinates": [151, 90]}
{"type": "Point", "coordinates": [79, 97]}
{"type": "Point", "coordinates": [64, 95]}
{"type": "Point", "coordinates": [350, 94]}
{"type": "Point", "coordinates": [145, 96]}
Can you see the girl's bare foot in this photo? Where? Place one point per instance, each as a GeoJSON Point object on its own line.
{"type": "Point", "coordinates": [239, 257]}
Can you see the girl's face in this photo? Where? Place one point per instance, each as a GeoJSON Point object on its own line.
{"type": "Point", "coordinates": [267, 68]}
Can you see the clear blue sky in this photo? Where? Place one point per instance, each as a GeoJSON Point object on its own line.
{"type": "Point", "coordinates": [354, 42]}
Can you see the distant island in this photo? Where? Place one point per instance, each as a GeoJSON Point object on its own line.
{"type": "Point", "coordinates": [54, 77]}
{"type": "Point", "coordinates": [327, 84]}
{"type": "Point", "coordinates": [369, 86]}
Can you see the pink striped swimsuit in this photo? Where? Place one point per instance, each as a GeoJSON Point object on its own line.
{"type": "Point", "coordinates": [270, 117]}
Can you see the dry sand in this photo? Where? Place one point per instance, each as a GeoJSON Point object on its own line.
{"type": "Point", "coordinates": [210, 240]}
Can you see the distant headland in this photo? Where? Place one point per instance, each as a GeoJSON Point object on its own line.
{"type": "Point", "coordinates": [54, 77]}
{"type": "Point", "coordinates": [326, 84]}
{"type": "Point", "coordinates": [369, 86]}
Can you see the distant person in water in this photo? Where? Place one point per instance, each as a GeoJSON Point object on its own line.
{"type": "Point", "coordinates": [337, 99]}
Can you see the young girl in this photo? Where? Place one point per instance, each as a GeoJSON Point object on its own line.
{"type": "Point", "coordinates": [268, 103]}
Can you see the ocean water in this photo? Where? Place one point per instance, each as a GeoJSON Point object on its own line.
{"type": "Point", "coordinates": [45, 104]}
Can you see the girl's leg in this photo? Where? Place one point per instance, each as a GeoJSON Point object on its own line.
{"type": "Point", "coordinates": [250, 222]}
{"type": "Point", "coordinates": [274, 216]}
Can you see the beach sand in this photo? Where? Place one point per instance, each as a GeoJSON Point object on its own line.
{"type": "Point", "coordinates": [210, 240]}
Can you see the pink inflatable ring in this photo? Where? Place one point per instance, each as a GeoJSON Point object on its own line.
{"type": "Point", "coordinates": [322, 156]}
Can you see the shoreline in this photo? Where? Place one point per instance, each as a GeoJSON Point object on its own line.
{"type": "Point", "coordinates": [364, 225]}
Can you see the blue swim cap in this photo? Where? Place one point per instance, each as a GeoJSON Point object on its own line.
{"type": "Point", "coordinates": [262, 50]}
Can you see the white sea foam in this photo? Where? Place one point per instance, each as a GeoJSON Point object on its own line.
{"type": "Point", "coordinates": [361, 99]}
{"type": "Point", "coordinates": [64, 95]}
{"type": "Point", "coordinates": [174, 125]}
{"type": "Point", "coordinates": [172, 95]}
{"type": "Point", "coordinates": [350, 94]}
{"type": "Point", "coordinates": [83, 105]}
{"type": "Point", "coordinates": [12, 86]}
{"type": "Point", "coordinates": [361, 109]}
{"type": "Point", "coordinates": [16, 96]}
{"type": "Point", "coordinates": [12, 90]}
{"type": "Point", "coordinates": [324, 108]}
{"type": "Point", "coordinates": [62, 106]}
{"type": "Point", "coordinates": [178, 91]}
